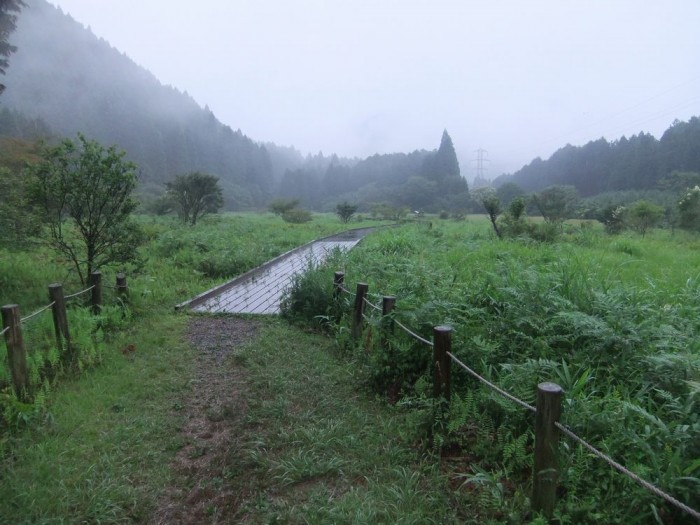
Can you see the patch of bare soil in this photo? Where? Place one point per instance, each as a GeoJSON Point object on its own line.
{"type": "Point", "coordinates": [213, 410]}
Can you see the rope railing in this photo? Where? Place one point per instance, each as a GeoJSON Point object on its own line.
{"type": "Point", "coordinates": [570, 434]}
{"type": "Point", "coordinates": [491, 385]}
{"type": "Point", "coordinates": [372, 305]}
{"type": "Point", "coordinates": [413, 334]}
{"type": "Point", "coordinates": [81, 292]}
{"type": "Point", "coordinates": [563, 429]}
{"type": "Point", "coordinates": [41, 310]}
{"type": "Point", "coordinates": [13, 326]}
{"type": "Point", "coordinates": [620, 468]}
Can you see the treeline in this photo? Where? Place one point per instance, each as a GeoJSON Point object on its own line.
{"type": "Point", "coordinates": [66, 80]}
{"type": "Point", "coordinates": [422, 180]}
{"type": "Point", "coordinates": [637, 163]}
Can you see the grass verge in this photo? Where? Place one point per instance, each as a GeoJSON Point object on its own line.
{"type": "Point", "coordinates": [314, 448]}
{"type": "Point", "coordinates": [102, 454]}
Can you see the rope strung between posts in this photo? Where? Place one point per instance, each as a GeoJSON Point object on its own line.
{"type": "Point", "coordinates": [36, 313]}
{"type": "Point", "coordinates": [76, 294]}
{"type": "Point", "coordinates": [413, 334]}
{"type": "Point", "coordinates": [345, 290]}
{"type": "Point", "coordinates": [371, 305]}
{"type": "Point", "coordinates": [617, 466]}
{"type": "Point", "coordinates": [491, 385]}
{"type": "Point", "coordinates": [651, 488]}
{"type": "Point", "coordinates": [5, 330]}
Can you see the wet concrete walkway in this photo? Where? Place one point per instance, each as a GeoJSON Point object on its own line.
{"type": "Point", "coordinates": [259, 291]}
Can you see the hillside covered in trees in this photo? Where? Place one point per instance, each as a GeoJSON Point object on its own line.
{"type": "Point", "coordinates": [65, 77]}
{"type": "Point", "coordinates": [63, 80]}
{"type": "Point", "coordinates": [637, 163]}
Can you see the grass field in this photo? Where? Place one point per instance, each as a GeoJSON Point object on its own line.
{"type": "Point", "coordinates": [338, 432]}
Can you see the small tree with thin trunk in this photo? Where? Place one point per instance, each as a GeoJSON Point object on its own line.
{"type": "Point", "coordinates": [194, 195]}
{"type": "Point", "coordinates": [492, 204]}
{"type": "Point", "coordinates": [643, 215]}
{"type": "Point", "coordinates": [282, 206]}
{"type": "Point", "coordinates": [556, 203]}
{"type": "Point", "coordinates": [345, 211]}
{"type": "Point", "coordinates": [83, 193]}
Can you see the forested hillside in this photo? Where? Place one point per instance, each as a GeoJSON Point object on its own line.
{"type": "Point", "coordinates": [76, 82]}
{"type": "Point", "coordinates": [63, 80]}
{"type": "Point", "coordinates": [637, 163]}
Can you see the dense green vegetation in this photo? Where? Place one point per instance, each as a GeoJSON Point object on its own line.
{"type": "Point", "coordinates": [97, 442]}
{"type": "Point", "coordinates": [612, 319]}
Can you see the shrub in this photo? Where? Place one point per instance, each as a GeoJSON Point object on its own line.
{"type": "Point", "coordinates": [296, 216]}
{"type": "Point", "coordinates": [309, 299]}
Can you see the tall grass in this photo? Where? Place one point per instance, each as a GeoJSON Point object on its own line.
{"type": "Point", "coordinates": [613, 320]}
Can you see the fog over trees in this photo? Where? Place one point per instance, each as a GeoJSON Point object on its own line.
{"type": "Point", "coordinates": [64, 80]}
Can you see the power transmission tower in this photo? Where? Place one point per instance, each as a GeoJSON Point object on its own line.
{"type": "Point", "coordinates": [481, 159]}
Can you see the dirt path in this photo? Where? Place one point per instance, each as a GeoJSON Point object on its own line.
{"type": "Point", "coordinates": [212, 412]}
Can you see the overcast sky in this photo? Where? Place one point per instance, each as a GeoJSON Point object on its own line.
{"type": "Point", "coordinates": [518, 78]}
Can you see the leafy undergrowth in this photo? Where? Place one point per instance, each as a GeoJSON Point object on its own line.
{"type": "Point", "coordinates": [612, 319]}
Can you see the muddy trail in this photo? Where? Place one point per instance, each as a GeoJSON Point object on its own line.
{"type": "Point", "coordinates": [213, 410]}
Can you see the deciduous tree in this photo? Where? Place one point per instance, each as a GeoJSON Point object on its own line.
{"type": "Point", "coordinates": [556, 203]}
{"type": "Point", "coordinates": [491, 203]}
{"type": "Point", "coordinates": [83, 192]}
{"type": "Point", "coordinates": [689, 209]}
{"type": "Point", "coordinates": [345, 211]}
{"type": "Point", "coordinates": [281, 206]}
{"type": "Point", "coordinates": [643, 215]}
{"type": "Point", "coordinates": [194, 195]}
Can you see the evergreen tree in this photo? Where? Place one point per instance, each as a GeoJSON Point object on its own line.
{"type": "Point", "coordinates": [8, 19]}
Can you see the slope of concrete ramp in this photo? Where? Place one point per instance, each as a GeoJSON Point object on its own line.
{"type": "Point", "coordinates": [259, 291]}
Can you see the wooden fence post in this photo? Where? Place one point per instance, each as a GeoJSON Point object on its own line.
{"type": "Point", "coordinates": [96, 297]}
{"type": "Point", "coordinates": [546, 468]}
{"type": "Point", "coordinates": [122, 286]}
{"type": "Point", "coordinates": [338, 278]}
{"type": "Point", "coordinates": [388, 305]}
{"type": "Point", "coordinates": [442, 344]}
{"type": "Point", "coordinates": [359, 310]}
{"type": "Point", "coordinates": [60, 320]}
{"type": "Point", "coordinates": [16, 354]}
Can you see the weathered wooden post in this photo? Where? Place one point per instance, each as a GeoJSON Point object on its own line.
{"type": "Point", "coordinates": [60, 320]}
{"type": "Point", "coordinates": [359, 309]}
{"type": "Point", "coordinates": [442, 344]}
{"type": "Point", "coordinates": [388, 305]}
{"type": "Point", "coordinates": [546, 468]}
{"type": "Point", "coordinates": [122, 286]}
{"type": "Point", "coordinates": [96, 297]}
{"type": "Point", "coordinates": [16, 355]}
{"type": "Point", "coordinates": [338, 278]}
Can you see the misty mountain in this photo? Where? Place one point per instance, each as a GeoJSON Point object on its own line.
{"type": "Point", "coordinates": [64, 77]}
{"type": "Point", "coordinates": [637, 163]}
